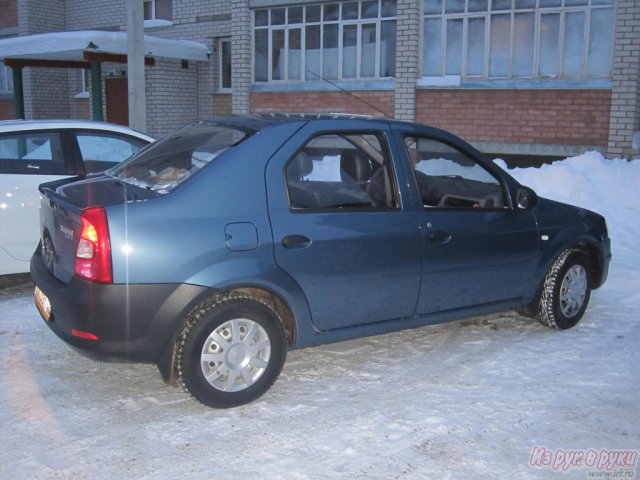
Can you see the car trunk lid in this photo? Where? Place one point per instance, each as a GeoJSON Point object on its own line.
{"type": "Point", "coordinates": [61, 224]}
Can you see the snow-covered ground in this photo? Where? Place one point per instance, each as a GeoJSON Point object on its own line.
{"type": "Point", "coordinates": [480, 398]}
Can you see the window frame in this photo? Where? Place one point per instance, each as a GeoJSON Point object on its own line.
{"type": "Point", "coordinates": [304, 25]}
{"type": "Point", "coordinates": [538, 13]}
{"type": "Point", "coordinates": [153, 14]}
{"type": "Point", "coordinates": [25, 166]}
{"type": "Point", "coordinates": [499, 180]}
{"type": "Point", "coordinates": [222, 68]}
{"type": "Point", "coordinates": [383, 140]}
{"type": "Point", "coordinates": [6, 79]}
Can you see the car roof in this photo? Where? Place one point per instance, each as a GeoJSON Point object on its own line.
{"type": "Point", "coordinates": [26, 125]}
{"type": "Point", "coordinates": [259, 121]}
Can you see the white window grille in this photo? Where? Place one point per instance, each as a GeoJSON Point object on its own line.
{"type": "Point", "coordinates": [513, 39]}
{"type": "Point", "coordinates": [334, 41]}
{"type": "Point", "coordinates": [6, 79]}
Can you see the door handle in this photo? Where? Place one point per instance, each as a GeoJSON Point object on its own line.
{"type": "Point", "coordinates": [440, 237]}
{"type": "Point", "coordinates": [296, 241]}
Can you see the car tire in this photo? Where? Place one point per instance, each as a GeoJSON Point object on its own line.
{"type": "Point", "coordinates": [565, 291]}
{"type": "Point", "coordinates": [230, 351]}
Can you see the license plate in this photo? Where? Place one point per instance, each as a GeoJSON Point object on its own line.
{"type": "Point", "coordinates": [43, 304]}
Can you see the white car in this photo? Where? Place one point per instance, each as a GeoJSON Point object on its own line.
{"type": "Point", "coordinates": [37, 151]}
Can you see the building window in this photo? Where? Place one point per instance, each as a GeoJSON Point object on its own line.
{"type": "Point", "coordinates": [158, 10]}
{"type": "Point", "coordinates": [334, 41]}
{"type": "Point", "coordinates": [6, 79]}
{"type": "Point", "coordinates": [224, 50]}
{"type": "Point", "coordinates": [85, 81]}
{"type": "Point", "coordinates": [504, 39]}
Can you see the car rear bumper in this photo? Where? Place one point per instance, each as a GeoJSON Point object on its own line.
{"type": "Point", "coordinates": [130, 322]}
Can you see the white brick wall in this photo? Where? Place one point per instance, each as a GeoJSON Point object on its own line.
{"type": "Point", "coordinates": [407, 58]}
{"type": "Point", "coordinates": [625, 97]}
{"type": "Point", "coordinates": [241, 55]}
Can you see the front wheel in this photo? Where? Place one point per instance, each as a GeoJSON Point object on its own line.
{"type": "Point", "coordinates": [565, 292]}
{"type": "Point", "coordinates": [230, 351]}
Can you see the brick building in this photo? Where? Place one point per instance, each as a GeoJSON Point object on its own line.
{"type": "Point", "coordinates": [516, 77]}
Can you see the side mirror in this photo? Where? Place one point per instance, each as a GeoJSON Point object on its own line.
{"type": "Point", "coordinates": [526, 198]}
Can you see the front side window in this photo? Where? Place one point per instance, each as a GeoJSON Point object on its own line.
{"type": "Point", "coordinates": [504, 39]}
{"type": "Point", "coordinates": [32, 153]}
{"type": "Point", "coordinates": [448, 178]}
{"type": "Point", "coordinates": [334, 41]}
{"type": "Point", "coordinates": [178, 156]}
{"type": "Point", "coordinates": [338, 171]}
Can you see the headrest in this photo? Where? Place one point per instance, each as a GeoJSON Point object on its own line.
{"type": "Point", "coordinates": [354, 167]}
{"type": "Point", "coordinates": [300, 166]}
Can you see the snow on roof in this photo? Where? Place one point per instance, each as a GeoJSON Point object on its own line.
{"type": "Point", "coordinates": [70, 46]}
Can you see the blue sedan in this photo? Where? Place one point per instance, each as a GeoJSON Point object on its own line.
{"type": "Point", "coordinates": [232, 240]}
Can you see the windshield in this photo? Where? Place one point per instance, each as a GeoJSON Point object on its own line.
{"type": "Point", "coordinates": [178, 156]}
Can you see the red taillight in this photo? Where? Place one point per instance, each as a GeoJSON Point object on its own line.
{"type": "Point", "coordinates": [93, 254]}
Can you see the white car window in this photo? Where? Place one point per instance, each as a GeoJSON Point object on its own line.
{"type": "Point", "coordinates": [105, 148]}
{"type": "Point", "coordinates": [32, 153]}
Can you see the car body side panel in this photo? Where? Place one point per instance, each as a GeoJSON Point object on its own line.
{"type": "Point", "coordinates": [563, 226]}
{"type": "Point", "coordinates": [489, 257]}
{"type": "Point", "coordinates": [147, 236]}
{"type": "Point", "coordinates": [471, 256]}
{"type": "Point", "coordinates": [361, 266]}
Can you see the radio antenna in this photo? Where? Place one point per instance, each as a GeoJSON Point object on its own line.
{"type": "Point", "coordinates": [350, 93]}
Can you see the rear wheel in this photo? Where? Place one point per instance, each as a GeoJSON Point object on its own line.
{"type": "Point", "coordinates": [565, 292]}
{"type": "Point", "coordinates": [230, 351]}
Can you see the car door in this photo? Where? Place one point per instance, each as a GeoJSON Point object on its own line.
{"type": "Point", "coordinates": [339, 228]}
{"type": "Point", "coordinates": [27, 159]}
{"type": "Point", "coordinates": [476, 248]}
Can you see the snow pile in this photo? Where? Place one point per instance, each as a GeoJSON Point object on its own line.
{"type": "Point", "coordinates": [609, 187]}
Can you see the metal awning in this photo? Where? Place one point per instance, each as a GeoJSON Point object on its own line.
{"type": "Point", "coordinates": [74, 48]}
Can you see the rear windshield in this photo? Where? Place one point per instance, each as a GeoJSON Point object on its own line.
{"type": "Point", "coordinates": [178, 156]}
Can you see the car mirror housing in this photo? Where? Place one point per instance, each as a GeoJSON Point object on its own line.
{"type": "Point", "coordinates": [526, 198]}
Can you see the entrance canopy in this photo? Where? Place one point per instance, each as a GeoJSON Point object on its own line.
{"type": "Point", "coordinates": [91, 45]}
{"type": "Point", "coordinates": [86, 49]}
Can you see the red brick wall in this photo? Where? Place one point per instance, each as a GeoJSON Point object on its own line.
{"type": "Point", "coordinates": [222, 104]}
{"type": "Point", "coordinates": [324, 102]}
{"type": "Point", "coordinates": [571, 117]}
{"type": "Point", "coordinates": [7, 110]}
{"type": "Point", "coordinates": [8, 13]}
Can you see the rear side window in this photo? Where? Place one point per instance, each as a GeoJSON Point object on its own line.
{"type": "Point", "coordinates": [340, 171]}
{"type": "Point", "coordinates": [32, 154]}
{"type": "Point", "coordinates": [101, 150]}
{"type": "Point", "coordinates": [178, 156]}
